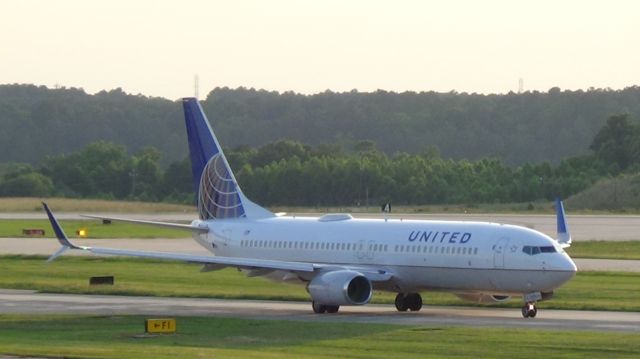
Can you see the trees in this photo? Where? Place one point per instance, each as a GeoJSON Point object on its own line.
{"type": "Point", "coordinates": [146, 174]}
{"type": "Point", "coordinates": [618, 142]}
{"type": "Point", "coordinates": [25, 181]}
{"type": "Point", "coordinates": [290, 173]}
{"type": "Point", "coordinates": [558, 124]}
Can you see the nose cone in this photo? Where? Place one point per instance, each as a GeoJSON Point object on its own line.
{"type": "Point", "coordinates": [568, 264]}
{"type": "Point", "coordinates": [565, 269]}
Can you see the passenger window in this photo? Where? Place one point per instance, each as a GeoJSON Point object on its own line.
{"type": "Point", "coordinates": [475, 251]}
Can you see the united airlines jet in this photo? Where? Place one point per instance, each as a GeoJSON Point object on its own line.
{"type": "Point", "coordinates": [342, 259]}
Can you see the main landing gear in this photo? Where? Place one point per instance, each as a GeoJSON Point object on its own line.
{"type": "Point", "coordinates": [529, 310]}
{"type": "Point", "coordinates": [321, 308]}
{"type": "Point", "coordinates": [408, 301]}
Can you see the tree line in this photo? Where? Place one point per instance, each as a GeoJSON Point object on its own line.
{"type": "Point", "coordinates": [287, 172]}
{"type": "Point", "coordinates": [532, 127]}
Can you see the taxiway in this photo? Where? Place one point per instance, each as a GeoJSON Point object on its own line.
{"type": "Point", "coordinates": [29, 302]}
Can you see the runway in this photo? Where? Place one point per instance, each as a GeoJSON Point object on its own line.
{"type": "Point", "coordinates": [582, 227]}
{"type": "Point", "coordinates": [28, 302]}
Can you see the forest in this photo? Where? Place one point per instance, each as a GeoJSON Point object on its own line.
{"type": "Point", "coordinates": [530, 127]}
{"type": "Point", "coordinates": [288, 172]}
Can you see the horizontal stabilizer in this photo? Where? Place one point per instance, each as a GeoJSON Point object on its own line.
{"type": "Point", "coordinates": [184, 227]}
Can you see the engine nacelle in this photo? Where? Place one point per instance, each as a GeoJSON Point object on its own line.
{"type": "Point", "coordinates": [482, 298]}
{"type": "Point", "coordinates": [342, 287]}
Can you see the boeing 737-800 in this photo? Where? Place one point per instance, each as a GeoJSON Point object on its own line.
{"type": "Point", "coordinates": [342, 259]}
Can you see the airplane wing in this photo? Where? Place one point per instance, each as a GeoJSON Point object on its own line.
{"type": "Point", "coordinates": [238, 262]}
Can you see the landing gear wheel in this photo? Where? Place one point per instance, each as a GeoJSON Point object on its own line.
{"type": "Point", "coordinates": [318, 308]}
{"type": "Point", "coordinates": [529, 310]}
{"type": "Point", "coordinates": [414, 301]}
{"type": "Point", "coordinates": [401, 302]}
{"type": "Point", "coordinates": [332, 308]}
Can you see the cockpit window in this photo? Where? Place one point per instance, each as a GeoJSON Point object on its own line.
{"type": "Point", "coordinates": [533, 250]}
{"type": "Point", "coordinates": [548, 249]}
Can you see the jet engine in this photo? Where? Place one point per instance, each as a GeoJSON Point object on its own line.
{"type": "Point", "coordinates": [482, 298]}
{"type": "Point", "coordinates": [342, 287]}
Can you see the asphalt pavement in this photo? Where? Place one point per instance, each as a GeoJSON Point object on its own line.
{"type": "Point", "coordinates": [28, 302]}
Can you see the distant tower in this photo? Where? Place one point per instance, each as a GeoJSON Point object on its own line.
{"type": "Point", "coordinates": [196, 86]}
{"type": "Point", "coordinates": [520, 85]}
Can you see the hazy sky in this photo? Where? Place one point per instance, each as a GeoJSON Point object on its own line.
{"type": "Point", "coordinates": [156, 47]}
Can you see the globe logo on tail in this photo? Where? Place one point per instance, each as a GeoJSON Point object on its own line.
{"type": "Point", "coordinates": [218, 196]}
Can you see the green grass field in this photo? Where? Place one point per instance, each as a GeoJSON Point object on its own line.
{"type": "Point", "coordinates": [605, 249]}
{"type": "Point", "coordinates": [119, 337]}
{"type": "Point", "coordinates": [95, 228]}
{"type": "Point", "coordinates": [588, 290]}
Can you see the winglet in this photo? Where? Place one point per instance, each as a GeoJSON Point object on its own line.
{"type": "Point", "coordinates": [62, 238]}
{"type": "Point", "coordinates": [563, 236]}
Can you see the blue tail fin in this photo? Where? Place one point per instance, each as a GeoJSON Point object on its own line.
{"type": "Point", "coordinates": [219, 196]}
{"type": "Point", "coordinates": [563, 235]}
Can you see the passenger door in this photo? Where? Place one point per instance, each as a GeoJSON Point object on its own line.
{"type": "Point", "coordinates": [499, 250]}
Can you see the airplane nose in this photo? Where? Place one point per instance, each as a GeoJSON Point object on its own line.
{"type": "Point", "coordinates": [569, 265]}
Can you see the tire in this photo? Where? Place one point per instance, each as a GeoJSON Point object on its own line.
{"type": "Point", "coordinates": [332, 308]}
{"type": "Point", "coordinates": [525, 312]}
{"type": "Point", "coordinates": [414, 302]}
{"type": "Point", "coordinates": [401, 302]}
{"type": "Point", "coordinates": [318, 308]}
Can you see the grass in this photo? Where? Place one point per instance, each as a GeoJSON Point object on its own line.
{"type": "Point", "coordinates": [588, 290]}
{"type": "Point", "coordinates": [117, 337]}
{"type": "Point", "coordinates": [605, 249]}
{"type": "Point", "coordinates": [29, 204]}
{"type": "Point", "coordinates": [95, 228]}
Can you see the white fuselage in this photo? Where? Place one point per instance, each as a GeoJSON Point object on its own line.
{"type": "Point", "coordinates": [474, 257]}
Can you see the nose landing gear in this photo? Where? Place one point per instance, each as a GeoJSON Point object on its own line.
{"type": "Point", "coordinates": [529, 310]}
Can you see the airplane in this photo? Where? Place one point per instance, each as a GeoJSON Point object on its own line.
{"type": "Point", "coordinates": [342, 259]}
